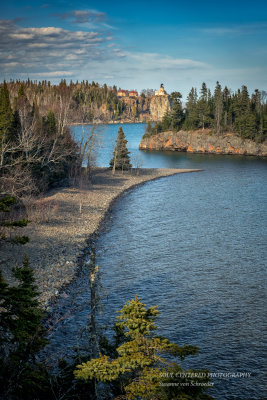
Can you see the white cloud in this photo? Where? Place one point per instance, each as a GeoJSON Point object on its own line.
{"type": "Point", "coordinates": [38, 45]}
{"type": "Point", "coordinates": [53, 74]}
{"type": "Point", "coordinates": [156, 61]}
{"type": "Point", "coordinates": [40, 50]}
{"type": "Point", "coordinates": [21, 36]}
{"type": "Point", "coordinates": [244, 29]}
{"type": "Point", "coordinates": [83, 16]}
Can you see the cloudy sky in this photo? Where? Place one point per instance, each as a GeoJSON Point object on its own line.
{"type": "Point", "coordinates": [136, 44]}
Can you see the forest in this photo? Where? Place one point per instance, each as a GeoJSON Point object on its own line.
{"type": "Point", "coordinates": [221, 112]}
{"type": "Point", "coordinates": [36, 150]}
{"type": "Point", "coordinates": [81, 102]}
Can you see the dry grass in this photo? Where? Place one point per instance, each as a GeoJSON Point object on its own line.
{"type": "Point", "coordinates": [40, 210]}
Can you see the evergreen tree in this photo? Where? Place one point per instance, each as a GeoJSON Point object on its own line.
{"type": "Point", "coordinates": [16, 126]}
{"type": "Point", "coordinates": [218, 107]}
{"type": "Point", "coordinates": [7, 224]}
{"type": "Point", "coordinates": [50, 123]}
{"type": "Point", "coordinates": [175, 118]}
{"type": "Point", "coordinates": [203, 108]}
{"type": "Point", "coordinates": [245, 123]}
{"type": "Point", "coordinates": [121, 159]}
{"type": "Point", "coordinates": [227, 120]}
{"type": "Point", "coordinates": [21, 336]}
{"type": "Point", "coordinates": [21, 91]}
{"type": "Point", "coordinates": [6, 116]}
{"type": "Point", "coordinates": [145, 360]}
{"type": "Point", "coordinates": [149, 129]}
{"type": "Point", "coordinates": [191, 115]}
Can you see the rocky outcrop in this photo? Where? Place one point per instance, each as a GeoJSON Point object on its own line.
{"type": "Point", "coordinates": [203, 142]}
{"type": "Point", "coordinates": [159, 105]}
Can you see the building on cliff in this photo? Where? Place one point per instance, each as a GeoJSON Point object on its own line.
{"type": "Point", "coordinates": [159, 104]}
{"type": "Point", "coordinates": [161, 91]}
{"type": "Point", "coordinates": [123, 93]}
{"type": "Point", "coordinates": [126, 93]}
{"type": "Point", "coordinates": [133, 93]}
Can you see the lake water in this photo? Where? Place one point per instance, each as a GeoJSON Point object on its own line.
{"type": "Point", "coordinates": [195, 245]}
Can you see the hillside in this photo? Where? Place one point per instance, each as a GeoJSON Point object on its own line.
{"type": "Point", "coordinates": [86, 102]}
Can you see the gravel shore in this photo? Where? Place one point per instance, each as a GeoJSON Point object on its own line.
{"type": "Point", "coordinates": [58, 243]}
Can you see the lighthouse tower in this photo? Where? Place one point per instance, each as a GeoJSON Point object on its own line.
{"type": "Point", "coordinates": [161, 91]}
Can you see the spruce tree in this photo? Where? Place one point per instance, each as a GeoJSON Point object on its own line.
{"type": "Point", "coordinates": [143, 360]}
{"type": "Point", "coordinates": [22, 336]}
{"type": "Point", "coordinates": [218, 107]}
{"type": "Point", "coordinates": [176, 115]}
{"type": "Point", "coordinates": [203, 107]}
{"type": "Point", "coordinates": [50, 123]}
{"type": "Point", "coordinates": [6, 116]}
{"type": "Point", "coordinates": [148, 130]}
{"type": "Point", "coordinates": [7, 223]}
{"type": "Point", "coordinates": [121, 159]}
{"type": "Point", "coordinates": [191, 115]}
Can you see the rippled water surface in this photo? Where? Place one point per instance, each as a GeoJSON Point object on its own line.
{"type": "Point", "coordinates": [195, 245]}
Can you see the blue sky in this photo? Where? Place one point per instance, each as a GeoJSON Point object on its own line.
{"type": "Point", "coordinates": [136, 45]}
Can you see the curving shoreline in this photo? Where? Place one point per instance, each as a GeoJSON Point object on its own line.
{"type": "Point", "coordinates": [60, 243]}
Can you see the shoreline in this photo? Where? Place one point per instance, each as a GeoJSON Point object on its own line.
{"type": "Point", "coordinates": [109, 123]}
{"type": "Point", "coordinates": [60, 244]}
{"type": "Point", "coordinates": [203, 142]}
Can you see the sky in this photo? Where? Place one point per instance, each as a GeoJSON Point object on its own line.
{"type": "Point", "coordinates": [136, 44]}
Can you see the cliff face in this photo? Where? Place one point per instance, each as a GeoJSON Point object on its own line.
{"type": "Point", "coordinates": [134, 110]}
{"type": "Point", "coordinates": [159, 105]}
{"type": "Point", "coordinates": [203, 142]}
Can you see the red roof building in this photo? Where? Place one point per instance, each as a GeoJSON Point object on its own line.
{"type": "Point", "coordinates": [123, 93]}
{"type": "Point", "coordinates": [133, 93]}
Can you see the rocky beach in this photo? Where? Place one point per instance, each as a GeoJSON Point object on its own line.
{"type": "Point", "coordinates": [68, 219]}
{"type": "Point", "coordinates": [203, 141]}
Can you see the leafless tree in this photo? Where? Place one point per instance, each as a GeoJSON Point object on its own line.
{"type": "Point", "coordinates": [138, 163]}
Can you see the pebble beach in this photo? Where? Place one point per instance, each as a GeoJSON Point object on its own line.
{"type": "Point", "coordinates": [59, 243]}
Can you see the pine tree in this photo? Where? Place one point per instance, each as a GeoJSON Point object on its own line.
{"type": "Point", "coordinates": [121, 159]}
{"type": "Point", "coordinates": [141, 364]}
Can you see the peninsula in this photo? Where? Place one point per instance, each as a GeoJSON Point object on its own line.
{"type": "Point", "coordinates": [64, 224]}
{"type": "Point", "coordinates": [203, 141]}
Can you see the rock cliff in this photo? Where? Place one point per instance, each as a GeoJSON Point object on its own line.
{"type": "Point", "coordinates": [159, 105]}
{"type": "Point", "coordinates": [203, 142]}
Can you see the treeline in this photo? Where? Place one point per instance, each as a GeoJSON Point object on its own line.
{"type": "Point", "coordinates": [81, 101]}
{"type": "Point", "coordinates": [222, 111]}
{"type": "Point", "coordinates": [35, 150]}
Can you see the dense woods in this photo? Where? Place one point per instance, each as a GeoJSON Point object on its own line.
{"type": "Point", "coordinates": [36, 150]}
{"type": "Point", "coordinates": [84, 102]}
{"type": "Point", "coordinates": [223, 111]}
{"type": "Point", "coordinates": [80, 101]}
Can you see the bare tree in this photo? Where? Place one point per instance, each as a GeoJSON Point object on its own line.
{"type": "Point", "coordinates": [138, 162]}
